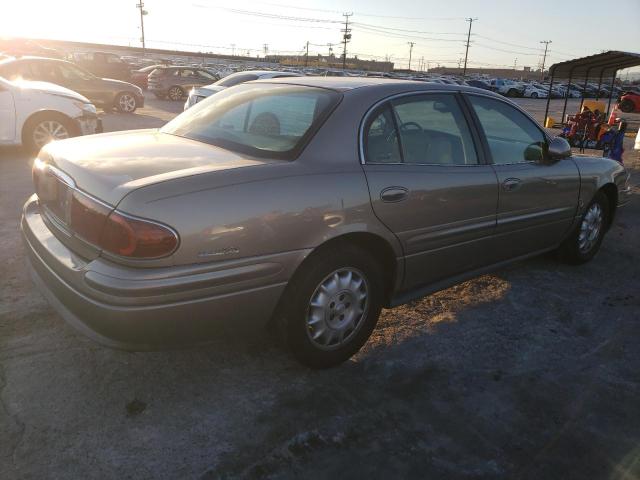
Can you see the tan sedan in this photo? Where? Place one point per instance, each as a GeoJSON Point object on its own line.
{"type": "Point", "coordinates": [307, 204]}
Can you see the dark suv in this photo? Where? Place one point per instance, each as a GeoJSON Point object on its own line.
{"type": "Point", "coordinates": [101, 64]}
{"type": "Point", "coordinates": [175, 82]}
{"type": "Point", "coordinates": [102, 92]}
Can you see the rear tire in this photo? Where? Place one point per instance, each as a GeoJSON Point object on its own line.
{"type": "Point", "coordinates": [584, 242]}
{"type": "Point", "coordinates": [534, 95]}
{"type": "Point", "coordinates": [125, 102]}
{"type": "Point", "coordinates": [626, 106]}
{"type": "Point", "coordinates": [175, 93]}
{"type": "Point", "coordinates": [331, 306]}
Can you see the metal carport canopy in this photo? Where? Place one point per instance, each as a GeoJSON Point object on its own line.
{"type": "Point", "coordinates": [601, 65]}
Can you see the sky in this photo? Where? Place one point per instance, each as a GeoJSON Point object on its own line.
{"type": "Point", "coordinates": [504, 32]}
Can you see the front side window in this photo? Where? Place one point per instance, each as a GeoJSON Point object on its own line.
{"type": "Point", "coordinates": [260, 120]}
{"type": "Point", "coordinates": [433, 130]}
{"type": "Point", "coordinates": [205, 74]}
{"type": "Point", "coordinates": [511, 135]}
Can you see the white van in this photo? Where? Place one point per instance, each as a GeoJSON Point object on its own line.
{"type": "Point", "coordinates": [35, 113]}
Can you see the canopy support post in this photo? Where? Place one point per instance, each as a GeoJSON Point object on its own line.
{"type": "Point", "coordinates": [546, 110]}
{"type": "Point", "coordinates": [566, 97]}
{"type": "Point", "coordinates": [599, 85]}
{"type": "Point", "coordinates": [613, 80]}
{"type": "Point", "coordinates": [584, 89]}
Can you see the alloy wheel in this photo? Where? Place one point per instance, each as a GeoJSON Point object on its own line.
{"type": "Point", "coordinates": [175, 93]}
{"type": "Point", "coordinates": [48, 131]}
{"type": "Point", "coordinates": [126, 103]}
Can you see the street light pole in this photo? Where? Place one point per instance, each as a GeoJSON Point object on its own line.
{"type": "Point", "coordinates": [411, 44]}
{"type": "Point", "coordinates": [544, 58]}
{"type": "Point", "coordinates": [143, 12]}
{"type": "Point", "coordinates": [466, 53]}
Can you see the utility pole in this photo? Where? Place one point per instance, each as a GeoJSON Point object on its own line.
{"type": "Point", "coordinates": [306, 57]}
{"type": "Point", "coordinates": [346, 36]}
{"type": "Point", "coordinates": [233, 49]}
{"type": "Point", "coordinates": [422, 64]}
{"type": "Point", "coordinates": [466, 53]}
{"type": "Point", "coordinates": [515, 62]}
{"type": "Point", "coordinates": [143, 12]}
{"type": "Point", "coordinates": [544, 58]}
{"type": "Point", "coordinates": [411, 44]}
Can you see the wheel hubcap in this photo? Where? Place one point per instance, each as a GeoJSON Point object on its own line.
{"type": "Point", "coordinates": [590, 228]}
{"type": "Point", "coordinates": [175, 94]}
{"type": "Point", "coordinates": [48, 131]}
{"type": "Point", "coordinates": [127, 103]}
{"type": "Point", "coordinates": [337, 308]}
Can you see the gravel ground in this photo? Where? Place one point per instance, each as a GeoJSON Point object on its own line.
{"type": "Point", "coordinates": [529, 373]}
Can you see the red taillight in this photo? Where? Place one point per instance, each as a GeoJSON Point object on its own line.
{"type": "Point", "coordinates": [88, 217]}
{"type": "Point", "coordinates": [136, 238]}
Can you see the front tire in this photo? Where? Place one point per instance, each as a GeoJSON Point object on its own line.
{"type": "Point", "coordinates": [331, 306]}
{"type": "Point", "coordinates": [584, 242]}
{"type": "Point", "coordinates": [44, 128]}
{"type": "Point", "coordinates": [534, 95]}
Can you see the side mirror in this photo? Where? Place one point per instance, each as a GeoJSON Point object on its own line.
{"type": "Point", "coordinates": [558, 149]}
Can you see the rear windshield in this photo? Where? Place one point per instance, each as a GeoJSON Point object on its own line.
{"type": "Point", "coordinates": [262, 120]}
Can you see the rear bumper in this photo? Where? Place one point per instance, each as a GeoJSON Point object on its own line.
{"type": "Point", "coordinates": [148, 309]}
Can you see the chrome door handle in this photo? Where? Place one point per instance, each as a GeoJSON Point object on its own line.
{"type": "Point", "coordinates": [394, 194]}
{"type": "Point", "coordinates": [511, 184]}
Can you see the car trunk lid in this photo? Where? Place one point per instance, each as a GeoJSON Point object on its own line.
{"type": "Point", "coordinates": [110, 166]}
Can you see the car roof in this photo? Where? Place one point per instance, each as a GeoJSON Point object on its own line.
{"type": "Point", "coordinates": [345, 84]}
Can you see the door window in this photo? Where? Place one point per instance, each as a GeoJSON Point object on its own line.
{"type": "Point", "coordinates": [381, 139]}
{"type": "Point", "coordinates": [511, 135]}
{"type": "Point", "coordinates": [433, 131]}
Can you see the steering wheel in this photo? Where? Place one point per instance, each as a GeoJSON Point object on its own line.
{"type": "Point", "coordinates": [406, 125]}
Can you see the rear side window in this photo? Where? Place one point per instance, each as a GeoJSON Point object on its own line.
{"type": "Point", "coordinates": [273, 121]}
{"type": "Point", "coordinates": [381, 139]}
{"type": "Point", "coordinates": [430, 130]}
{"type": "Point", "coordinates": [511, 135]}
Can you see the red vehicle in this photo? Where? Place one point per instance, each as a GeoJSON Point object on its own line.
{"type": "Point", "coordinates": [629, 102]}
{"type": "Point", "coordinates": [141, 77]}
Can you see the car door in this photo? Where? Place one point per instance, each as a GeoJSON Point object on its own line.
{"type": "Point", "coordinates": [538, 199]}
{"type": "Point", "coordinates": [83, 82]}
{"type": "Point", "coordinates": [429, 184]}
{"type": "Point", "coordinates": [7, 116]}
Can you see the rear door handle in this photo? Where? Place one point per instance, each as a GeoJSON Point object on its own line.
{"type": "Point", "coordinates": [394, 194]}
{"type": "Point", "coordinates": [511, 184]}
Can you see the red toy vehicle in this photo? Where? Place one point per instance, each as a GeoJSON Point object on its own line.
{"type": "Point", "coordinates": [629, 102]}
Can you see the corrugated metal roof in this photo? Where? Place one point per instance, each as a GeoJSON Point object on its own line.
{"type": "Point", "coordinates": [593, 66]}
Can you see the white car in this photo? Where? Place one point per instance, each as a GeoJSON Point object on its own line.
{"type": "Point", "coordinates": [535, 91]}
{"type": "Point", "coordinates": [34, 113]}
{"type": "Point", "coordinates": [199, 93]}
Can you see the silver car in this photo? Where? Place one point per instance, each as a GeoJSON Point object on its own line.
{"type": "Point", "coordinates": [305, 204]}
{"type": "Point", "coordinates": [200, 93]}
